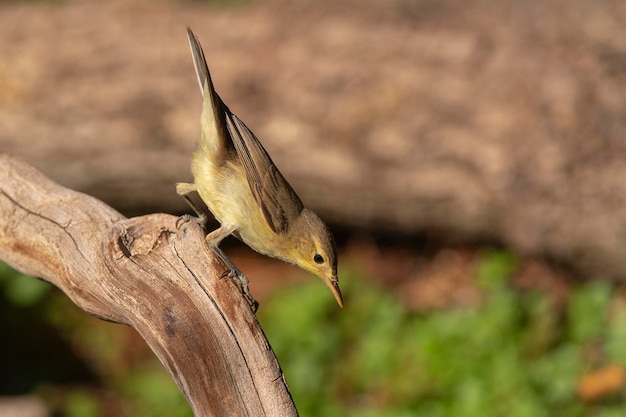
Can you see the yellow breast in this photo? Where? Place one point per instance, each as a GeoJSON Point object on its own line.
{"type": "Point", "coordinates": [224, 189]}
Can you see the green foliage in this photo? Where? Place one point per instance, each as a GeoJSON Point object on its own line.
{"type": "Point", "coordinates": [153, 393]}
{"type": "Point", "coordinates": [21, 290]}
{"type": "Point", "coordinates": [587, 312]}
{"type": "Point", "coordinates": [81, 404]}
{"type": "Point", "coordinates": [516, 354]}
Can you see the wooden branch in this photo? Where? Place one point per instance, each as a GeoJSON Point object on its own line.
{"type": "Point", "coordinates": [153, 274]}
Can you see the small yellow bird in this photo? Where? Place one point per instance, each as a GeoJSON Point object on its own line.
{"type": "Point", "coordinates": [241, 186]}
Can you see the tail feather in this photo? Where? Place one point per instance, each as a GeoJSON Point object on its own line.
{"type": "Point", "coordinates": [214, 132]}
{"type": "Point", "coordinates": [199, 63]}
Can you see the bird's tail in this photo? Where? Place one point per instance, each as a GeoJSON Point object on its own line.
{"type": "Point", "coordinates": [214, 132]}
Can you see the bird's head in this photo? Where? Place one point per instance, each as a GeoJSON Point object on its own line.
{"type": "Point", "coordinates": [314, 250]}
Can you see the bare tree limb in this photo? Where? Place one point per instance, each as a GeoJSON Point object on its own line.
{"type": "Point", "coordinates": [150, 273]}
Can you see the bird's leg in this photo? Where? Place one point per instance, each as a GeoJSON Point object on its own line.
{"type": "Point", "coordinates": [183, 189]}
{"type": "Point", "coordinates": [213, 239]}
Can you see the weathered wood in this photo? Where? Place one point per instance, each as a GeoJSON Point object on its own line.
{"type": "Point", "coordinates": [153, 273]}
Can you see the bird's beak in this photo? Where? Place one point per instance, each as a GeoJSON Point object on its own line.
{"type": "Point", "coordinates": [333, 284]}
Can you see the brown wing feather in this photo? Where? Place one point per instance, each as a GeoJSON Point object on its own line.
{"type": "Point", "coordinates": [278, 202]}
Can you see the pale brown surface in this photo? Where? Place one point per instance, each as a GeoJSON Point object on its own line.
{"type": "Point", "coordinates": [151, 273]}
{"type": "Point", "coordinates": [500, 121]}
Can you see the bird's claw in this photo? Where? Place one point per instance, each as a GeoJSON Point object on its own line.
{"type": "Point", "coordinates": [231, 270]}
{"type": "Point", "coordinates": [242, 280]}
{"type": "Point", "coordinates": [185, 218]}
{"type": "Point", "coordinates": [254, 304]}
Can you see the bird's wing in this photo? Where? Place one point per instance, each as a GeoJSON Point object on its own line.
{"type": "Point", "coordinates": [278, 202]}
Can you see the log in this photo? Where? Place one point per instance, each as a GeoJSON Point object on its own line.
{"type": "Point", "coordinates": [154, 273]}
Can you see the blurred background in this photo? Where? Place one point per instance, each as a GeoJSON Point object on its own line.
{"type": "Point", "coordinates": [469, 156]}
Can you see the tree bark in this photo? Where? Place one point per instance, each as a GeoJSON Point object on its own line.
{"type": "Point", "coordinates": [153, 273]}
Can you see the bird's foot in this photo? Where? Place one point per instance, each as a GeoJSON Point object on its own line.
{"type": "Point", "coordinates": [185, 218]}
{"type": "Point", "coordinates": [242, 280]}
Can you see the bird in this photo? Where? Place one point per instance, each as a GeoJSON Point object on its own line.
{"type": "Point", "coordinates": [246, 193]}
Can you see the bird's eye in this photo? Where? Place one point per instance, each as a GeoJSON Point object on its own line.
{"type": "Point", "coordinates": [318, 259]}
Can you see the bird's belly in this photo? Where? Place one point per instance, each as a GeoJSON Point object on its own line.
{"type": "Point", "coordinates": [225, 191]}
